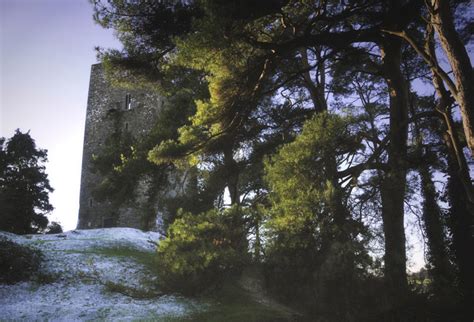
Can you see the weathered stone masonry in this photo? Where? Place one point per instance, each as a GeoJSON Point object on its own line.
{"type": "Point", "coordinates": [138, 110]}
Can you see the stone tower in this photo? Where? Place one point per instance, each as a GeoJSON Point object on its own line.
{"type": "Point", "coordinates": [137, 112]}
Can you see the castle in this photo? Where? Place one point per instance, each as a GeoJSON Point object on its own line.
{"type": "Point", "coordinates": [108, 109]}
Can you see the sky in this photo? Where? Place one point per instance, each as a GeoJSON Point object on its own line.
{"type": "Point", "coordinates": [46, 50]}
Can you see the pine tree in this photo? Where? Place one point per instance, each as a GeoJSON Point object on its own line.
{"type": "Point", "coordinates": [24, 185]}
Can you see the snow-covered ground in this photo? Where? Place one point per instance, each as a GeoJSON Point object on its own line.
{"type": "Point", "coordinates": [95, 276]}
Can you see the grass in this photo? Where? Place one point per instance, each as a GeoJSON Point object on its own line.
{"type": "Point", "coordinates": [233, 304]}
{"type": "Point", "coordinates": [45, 278]}
{"type": "Point", "coordinates": [230, 304]}
{"type": "Point", "coordinates": [150, 289]}
{"type": "Point", "coordinates": [145, 258]}
{"type": "Point", "coordinates": [140, 294]}
{"type": "Point", "coordinates": [142, 257]}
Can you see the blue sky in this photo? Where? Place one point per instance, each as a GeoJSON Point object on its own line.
{"type": "Point", "coordinates": [46, 50]}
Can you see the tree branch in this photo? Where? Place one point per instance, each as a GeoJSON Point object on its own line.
{"type": "Point", "coordinates": [427, 58]}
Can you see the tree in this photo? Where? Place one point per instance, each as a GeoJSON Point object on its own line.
{"type": "Point", "coordinates": [462, 241]}
{"type": "Point", "coordinates": [450, 90]}
{"type": "Point", "coordinates": [255, 60]}
{"type": "Point", "coordinates": [201, 250]}
{"type": "Point", "coordinates": [316, 250]}
{"type": "Point", "coordinates": [463, 92]}
{"type": "Point", "coordinates": [24, 185]}
{"type": "Point", "coordinates": [461, 85]}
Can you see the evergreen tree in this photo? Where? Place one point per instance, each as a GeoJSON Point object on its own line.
{"type": "Point", "coordinates": [263, 69]}
{"type": "Point", "coordinates": [24, 185]}
{"type": "Point", "coordinates": [314, 245]}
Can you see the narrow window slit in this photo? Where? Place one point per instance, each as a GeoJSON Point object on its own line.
{"type": "Point", "coordinates": [128, 102]}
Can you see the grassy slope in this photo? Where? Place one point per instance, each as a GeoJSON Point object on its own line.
{"type": "Point", "coordinates": [231, 303]}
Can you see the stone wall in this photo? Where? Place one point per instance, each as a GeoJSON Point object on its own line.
{"type": "Point", "coordinates": [108, 108]}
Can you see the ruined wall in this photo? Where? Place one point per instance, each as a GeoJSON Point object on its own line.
{"type": "Point", "coordinates": [108, 108]}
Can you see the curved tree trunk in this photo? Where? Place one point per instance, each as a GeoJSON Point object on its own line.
{"type": "Point", "coordinates": [460, 63]}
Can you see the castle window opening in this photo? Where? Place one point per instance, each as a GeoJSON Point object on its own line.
{"type": "Point", "coordinates": [126, 126]}
{"type": "Point", "coordinates": [128, 102]}
{"type": "Point", "coordinates": [90, 202]}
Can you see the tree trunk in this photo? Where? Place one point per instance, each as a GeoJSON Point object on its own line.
{"type": "Point", "coordinates": [441, 270]}
{"type": "Point", "coordinates": [394, 181]}
{"type": "Point", "coordinates": [450, 136]}
{"type": "Point", "coordinates": [458, 58]}
{"type": "Point", "coordinates": [461, 224]}
{"type": "Point", "coordinates": [460, 193]}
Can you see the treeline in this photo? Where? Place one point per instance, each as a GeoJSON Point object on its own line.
{"type": "Point", "coordinates": [328, 123]}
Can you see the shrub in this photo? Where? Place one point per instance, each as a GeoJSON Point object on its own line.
{"type": "Point", "coordinates": [54, 228]}
{"type": "Point", "coordinates": [202, 250]}
{"type": "Point", "coordinates": [17, 263]}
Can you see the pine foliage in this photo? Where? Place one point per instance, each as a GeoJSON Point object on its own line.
{"type": "Point", "coordinates": [24, 185]}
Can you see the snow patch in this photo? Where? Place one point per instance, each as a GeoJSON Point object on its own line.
{"type": "Point", "coordinates": [82, 263]}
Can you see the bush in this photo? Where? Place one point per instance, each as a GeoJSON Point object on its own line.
{"type": "Point", "coordinates": [17, 263]}
{"type": "Point", "coordinates": [202, 250]}
{"type": "Point", "coordinates": [54, 228]}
